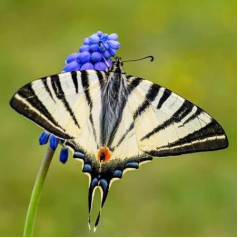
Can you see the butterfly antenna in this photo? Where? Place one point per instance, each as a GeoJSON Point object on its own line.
{"type": "Point", "coordinates": [106, 62]}
{"type": "Point", "coordinates": [150, 56]}
{"type": "Point", "coordinates": [101, 43]}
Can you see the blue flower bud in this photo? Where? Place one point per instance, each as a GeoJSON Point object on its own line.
{"type": "Point", "coordinates": [106, 54]}
{"type": "Point", "coordinates": [86, 66]}
{"type": "Point", "coordinates": [94, 48]}
{"type": "Point", "coordinates": [113, 36]}
{"type": "Point", "coordinates": [93, 39]}
{"type": "Point", "coordinates": [86, 41]}
{"type": "Point", "coordinates": [100, 66]}
{"type": "Point", "coordinates": [71, 66]}
{"type": "Point", "coordinates": [44, 137]}
{"type": "Point", "coordinates": [99, 33]}
{"type": "Point", "coordinates": [53, 142]}
{"type": "Point", "coordinates": [71, 57]}
{"type": "Point", "coordinates": [83, 57]}
{"type": "Point", "coordinates": [64, 154]}
{"type": "Point", "coordinates": [111, 51]}
{"type": "Point", "coordinates": [114, 44]}
{"type": "Point", "coordinates": [96, 57]}
{"type": "Point", "coordinates": [84, 48]}
{"type": "Point", "coordinates": [103, 47]}
{"type": "Point", "coordinates": [104, 37]}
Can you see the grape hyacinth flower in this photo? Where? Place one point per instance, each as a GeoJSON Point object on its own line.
{"type": "Point", "coordinates": [92, 55]}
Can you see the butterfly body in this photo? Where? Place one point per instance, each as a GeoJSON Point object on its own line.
{"type": "Point", "coordinates": [114, 122]}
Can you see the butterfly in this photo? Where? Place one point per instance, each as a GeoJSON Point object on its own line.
{"type": "Point", "coordinates": [114, 122]}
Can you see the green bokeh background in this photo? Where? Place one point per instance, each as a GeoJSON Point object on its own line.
{"type": "Point", "coordinates": [194, 44]}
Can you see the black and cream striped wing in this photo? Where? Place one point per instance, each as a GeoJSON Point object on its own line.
{"type": "Point", "coordinates": [62, 105]}
{"type": "Point", "coordinates": [167, 124]}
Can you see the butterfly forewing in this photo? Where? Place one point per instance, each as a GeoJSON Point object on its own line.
{"type": "Point", "coordinates": [58, 103]}
{"type": "Point", "coordinates": [171, 125]}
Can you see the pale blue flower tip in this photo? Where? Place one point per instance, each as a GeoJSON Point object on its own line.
{"type": "Point", "coordinates": [100, 66]}
{"type": "Point", "coordinates": [113, 36]}
{"type": "Point", "coordinates": [87, 66]}
{"type": "Point", "coordinates": [96, 57]}
{"type": "Point", "coordinates": [84, 48]}
{"type": "Point", "coordinates": [93, 39]}
{"type": "Point", "coordinates": [99, 33]}
{"type": "Point", "coordinates": [71, 67]}
{"type": "Point", "coordinates": [104, 37]}
{"type": "Point", "coordinates": [114, 44]}
{"type": "Point", "coordinates": [86, 41]}
{"type": "Point", "coordinates": [71, 58]}
{"type": "Point", "coordinates": [94, 48]}
{"type": "Point", "coordinates": [83, 57]}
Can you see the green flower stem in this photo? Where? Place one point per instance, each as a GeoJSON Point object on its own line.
{"type": "Point", "coordinates": [36, 192]}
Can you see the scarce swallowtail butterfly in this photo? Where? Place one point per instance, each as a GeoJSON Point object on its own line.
{"type": "Point", "coordinates": [114, 122]}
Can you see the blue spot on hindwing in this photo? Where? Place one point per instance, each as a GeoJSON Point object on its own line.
{"type": "Point", "coordinates": [133, 165]}
{"type": "Point", "coordinates": [117, 173]}
{"type": "Point", "coordinates": [79, 155]}
{"type": "Point", "coordinates": [94, 182]}
{"type": "Point", "coordinates": [87, 168]}
{"type": "Point", "coordinates": [104, 184]}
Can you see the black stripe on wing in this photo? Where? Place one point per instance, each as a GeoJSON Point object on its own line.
{"type": "Point", "coordinates": [75, 80]}
{"type": "Point", "coordinates": [101, 77]}
{"type": "Point", "coordinates": [44, 81]}
{"type": "Point", "coordinates": [181, 113]}
{"type": "Point", "coordinates": [149, 97]}
{"type": "Point", "coordinates": [193, 116]}
{"type": "Point", "coordinates": [85, 83]}
{"type": "Point", "coordinates": [164, 97]}
{"type": "Point", "coordinates": [211, 137]}
{"type": "Point", "coordinates": [59, 93]}
{"type": "Point", "coordinates": [28, 94]}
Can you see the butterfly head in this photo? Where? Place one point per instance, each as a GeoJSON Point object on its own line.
{"type": "Point", "coordinates": [117, 66]}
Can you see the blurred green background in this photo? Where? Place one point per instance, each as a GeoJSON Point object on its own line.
{"type": "Point", "coordinates": [194, 45]}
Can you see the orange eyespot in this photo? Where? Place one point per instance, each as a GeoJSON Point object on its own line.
{"type": "Point", "coordinates": [104, 154]}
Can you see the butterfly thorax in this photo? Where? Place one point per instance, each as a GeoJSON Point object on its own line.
{"type": "Point", "coordinates": [117, 67]}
